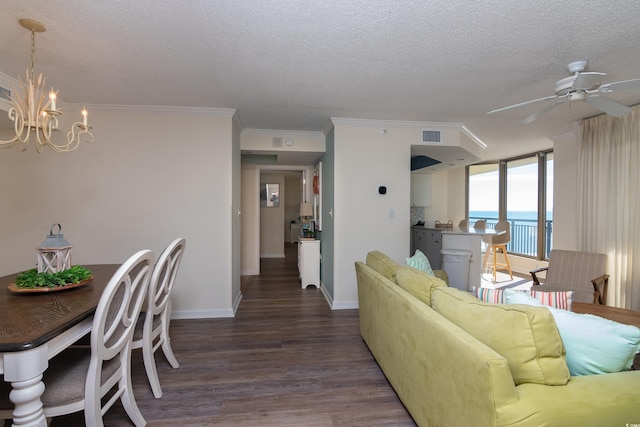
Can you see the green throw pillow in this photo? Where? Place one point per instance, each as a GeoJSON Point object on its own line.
{"type": "Point", "coordinates": [417, 283]}
{"type": "Point", "coordinates": [594, 345]}
{"type": "Point", "coordinates": [419, 261]}
{"type": "Point", "coordinates": [526, 336]}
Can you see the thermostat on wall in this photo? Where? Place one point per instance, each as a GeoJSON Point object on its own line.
{"type": "Point", "coordinates": [382, 189]}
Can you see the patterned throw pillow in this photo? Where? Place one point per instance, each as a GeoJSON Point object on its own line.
{"type": "Point", "coordinates": [420, 262]}
{"type": "Point", "coordinates": [560, 299]}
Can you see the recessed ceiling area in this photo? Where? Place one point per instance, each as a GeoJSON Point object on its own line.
{"type": "Point", "coordinates": [282, 158]}
{"type": "Point", "coordinates": [447, 157]}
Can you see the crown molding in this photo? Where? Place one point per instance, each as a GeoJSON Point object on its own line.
{"type": "Point", "coordinates": [223, 112]}
{"type": "Point", "coordinates": [397, 123]}
{"type": "Point", "coordinates": [274, 132]}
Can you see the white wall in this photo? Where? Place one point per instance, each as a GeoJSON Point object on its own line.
{"type": "Point", "coordinates": [250, 242]}
{"type": "Point", "coordinates": [150, 176]}
{"type": "Point", "coordinates": [366, 158]}
{"type": "Point", "coordinates": [566, 156]}
{"type": "Point", "coordinates": [447, 196]}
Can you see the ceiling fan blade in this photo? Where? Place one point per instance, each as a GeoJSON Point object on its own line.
{"type": "Point", "coordinates": [623, 85]}
{"type": "Point", "coordinates": [522, 103]}
{"type": "Point", "coordinates": [538, 113]}
{"type": "Point", "coordinates": [588, 80]}
{"type": "Point", "coordinates": [607, 105]}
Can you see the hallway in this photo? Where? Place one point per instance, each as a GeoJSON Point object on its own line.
{"type": "Point", "coordinates": [285, 359]}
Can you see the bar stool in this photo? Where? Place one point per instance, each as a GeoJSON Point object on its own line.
{"type": "Point", "coordinates": [497, 243]}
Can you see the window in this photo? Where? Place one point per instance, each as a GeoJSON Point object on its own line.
{"type": "Point", "coordinates": [522, 205]}
{"type": "Point", "coordinates": [484, 184]}
{"type": "Point", "coordinates": [548, 203]}
{"type": "Point", "coordinates": [521, 191]}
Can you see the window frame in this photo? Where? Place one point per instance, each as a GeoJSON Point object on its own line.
{"type": "Point", "coordinates": [542, 163]}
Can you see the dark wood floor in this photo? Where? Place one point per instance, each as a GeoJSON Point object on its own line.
{"type": "Point", "coordinates": [285, 359]}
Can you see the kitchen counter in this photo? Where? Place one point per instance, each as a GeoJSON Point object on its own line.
{"type": "Point", "coordinates": [467, 239]}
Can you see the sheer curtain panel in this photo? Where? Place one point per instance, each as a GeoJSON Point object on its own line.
{"type": "Point", "coordinates": [608, 200]}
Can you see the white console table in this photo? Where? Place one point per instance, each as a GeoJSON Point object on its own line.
{"type": "Point", "coordinates": [309, 262]}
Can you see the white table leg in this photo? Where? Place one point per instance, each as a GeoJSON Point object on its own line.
{"type": "Point", "coordinates": [24, 369]}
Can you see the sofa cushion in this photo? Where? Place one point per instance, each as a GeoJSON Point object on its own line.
{"type": "Point", "coordinates": [560, 299]}
{"type": "Point", "coordinates": [419, 261]}
{"type": "Point", "coordinates": [382, 264]}
{"type": "Point", "coordinates": [524, 335]}
{"type": "Point", "coordinates": [594, 345]}
{"type": "Point", "coordinates": [417, 283]}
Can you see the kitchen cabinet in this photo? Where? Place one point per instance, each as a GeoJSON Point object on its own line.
{"type": "Point", "coordinates": [309, 262]}
{"type": "Point", "coordinates": [429, 241]}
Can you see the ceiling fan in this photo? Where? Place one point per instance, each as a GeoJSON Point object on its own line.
{"type": "Point", "coordinates": [581, 86]}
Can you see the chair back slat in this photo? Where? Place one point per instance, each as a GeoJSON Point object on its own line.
{"type": "Point", "coordinates": [164, 275]}
{"type": "Point", "coordinates": [575, 268]}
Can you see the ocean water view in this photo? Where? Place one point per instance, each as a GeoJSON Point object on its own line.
{"type": "Point", "coordinates": [524, 216]}
{"type": "Point", "coordinates": [524, 230]}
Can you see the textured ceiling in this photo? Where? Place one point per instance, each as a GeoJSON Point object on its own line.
{"type": "Point", "coordinates": [294, 64]}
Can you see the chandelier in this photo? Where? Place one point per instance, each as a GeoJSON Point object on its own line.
{"type": "Point", "coordinates": [34, 115]}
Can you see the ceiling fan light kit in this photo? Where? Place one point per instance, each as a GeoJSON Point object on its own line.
{"type": "Point", "coordinates": [581, 86]}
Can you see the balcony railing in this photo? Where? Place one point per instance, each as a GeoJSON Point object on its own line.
{"type": "Point", "coordinates": [524, 235]}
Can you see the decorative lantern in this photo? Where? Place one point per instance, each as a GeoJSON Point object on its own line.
{"type": "Point", "coordinates": [54, 254]}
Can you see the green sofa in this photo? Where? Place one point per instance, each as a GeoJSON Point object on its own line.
{"type": "Point", "coordinates": [437, 347]}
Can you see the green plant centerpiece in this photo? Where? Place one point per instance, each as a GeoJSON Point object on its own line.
{"type": "Point", "coordinates": [31, 279]}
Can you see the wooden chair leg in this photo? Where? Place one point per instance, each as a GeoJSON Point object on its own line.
{"type": "Point", "coordinates": [494, 266]}
{"type": "Point", "coordinates": [506, 259]}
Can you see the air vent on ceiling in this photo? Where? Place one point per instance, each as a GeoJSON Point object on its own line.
{"type": "Point", "coordinates": [431, 136]}
{"type": "Point", "coordinates": [276, 142]}
{"type": "Point", "coordinates": [5, 93]}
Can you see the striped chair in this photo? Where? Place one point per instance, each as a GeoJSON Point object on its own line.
{"type": "Point", "coordinates": [580, 272]}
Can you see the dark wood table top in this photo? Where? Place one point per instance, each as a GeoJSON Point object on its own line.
{"type": "Point", "coordinates": [29, 320]}
{"type": "Point", "coordinates": [621, 315]}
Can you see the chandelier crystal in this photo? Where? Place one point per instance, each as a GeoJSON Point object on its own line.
{"type": "Point", "coordinates": [35, 115]}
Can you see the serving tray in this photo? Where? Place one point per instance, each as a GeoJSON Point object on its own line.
{"type": "Point", "coordinates": [13, 288]}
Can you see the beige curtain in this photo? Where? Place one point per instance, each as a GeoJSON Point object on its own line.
{"type": "Point", "coordinates": [608, 201]}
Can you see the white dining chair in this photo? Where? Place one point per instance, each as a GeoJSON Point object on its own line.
{"type": "Point", "coordinates": [78, 379]}
{"type": "Point", "coordinates": [152, 330]}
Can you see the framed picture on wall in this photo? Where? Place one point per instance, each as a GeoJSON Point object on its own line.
{"type": "Point", "coordinates": [317, 196]}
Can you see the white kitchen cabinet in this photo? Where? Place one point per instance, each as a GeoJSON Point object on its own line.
{"type": "Point", "coordinates": [309, 262]}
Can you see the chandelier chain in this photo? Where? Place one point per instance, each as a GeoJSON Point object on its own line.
{"type": "Point", "coordinates": [33, 53]}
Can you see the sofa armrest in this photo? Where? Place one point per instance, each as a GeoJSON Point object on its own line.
{"type": "Point", "coordinates": [536, 281]}
{"type": "Point", "coordinates": [600, 285]}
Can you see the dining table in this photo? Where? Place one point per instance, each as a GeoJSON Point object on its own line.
{"type": "Point", "coordinates": [36, 326]}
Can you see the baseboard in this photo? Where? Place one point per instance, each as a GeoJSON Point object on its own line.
{"type": "Point", "coordinates": [326, 294]}
{"type": "Point", "coordinates": [236, 303]}
{"type": "Point", "coordinates": [345, 305]}
{"type": "Point", "coordinates": [202, 314]}
{"type": "Point", "coordinates": [280, 255]}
